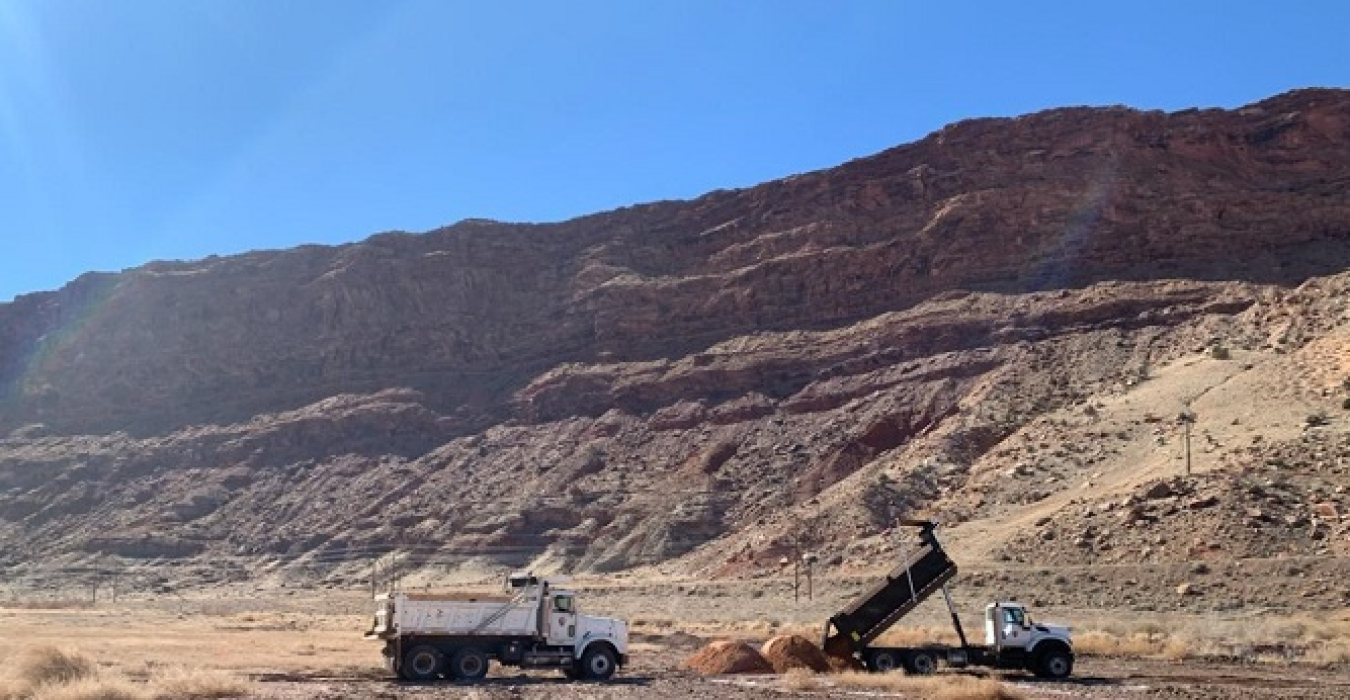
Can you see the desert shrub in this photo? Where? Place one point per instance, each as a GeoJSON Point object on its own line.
{"type": "Point", "coordinates": [52, 666]}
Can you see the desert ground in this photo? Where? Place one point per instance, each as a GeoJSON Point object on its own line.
{"type": "Point", "coordinates": [286, 644]}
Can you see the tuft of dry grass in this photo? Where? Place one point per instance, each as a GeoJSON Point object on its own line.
{"type": "Point", "coordinates": [1108, 644]}
{"type": "Point", "coordinates": [944, 687]}
{"type": "Point", "coordinates": [50, 673]}
{"type": "Point", "coordinates": [1332, 652]}
{"type": "Point", "coordinates": [91, 688]}
{"type": "Point", "coordinates": [49, 665]}
{"type": "Point", "coordinates": [800, 679]}
{"type": "Point", "coordinates": [197, 684]}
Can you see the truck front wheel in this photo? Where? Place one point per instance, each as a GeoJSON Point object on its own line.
{"type": "Point", "coordinates": [421, 663]}
{"type": "Point", "coordinates": [1054, 663]}
{"type": "Point", "coordinates": [468, 664]}
{"type": "Point", "coordinates": [598, 663]}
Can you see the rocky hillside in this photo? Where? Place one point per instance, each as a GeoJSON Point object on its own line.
{"type": "Point", "coordinates": [998, 323]}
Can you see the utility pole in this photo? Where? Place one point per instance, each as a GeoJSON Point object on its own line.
{"type": "Point", "coordinates": [796, 569]}
{"type": "Point", "coordinates": [1187, 418]}
{"type": "Point", "coordinates": [810, 560]}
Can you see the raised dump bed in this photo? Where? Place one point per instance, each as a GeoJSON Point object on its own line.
{"type": "Point", "coordinates": [919, 576]}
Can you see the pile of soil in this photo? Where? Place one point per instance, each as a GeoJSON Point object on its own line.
{"type": "Point", "coordinates": [839, 655]}
{"type": "Point", "coordinates": [790, 651]}
{"type": "Point", "coordinates": [728, 656]}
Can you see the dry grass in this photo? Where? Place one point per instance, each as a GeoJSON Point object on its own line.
{"type": "Point", "coordinates": [95, 688]}
{"type": "Point", "coordinates": [800, 679]}
{"type": "Point", "coordinates": [1101, 643]}
{"type": "Point", "coordinates": [50, 604]}
{"type": "Point", "coordinates": [1316, 641]}
{"type": "Point", "coordinates": [51, 673]}
{"type": "Point", "coordinates": [178, 682]}
{"type": "Point", "coordinates": [244, 643]}
{"type": "Point", "coordinates": [943, 687]}
{"type": "Point", "coordinates": [48, 665]}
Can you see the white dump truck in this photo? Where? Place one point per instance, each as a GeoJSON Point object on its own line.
{"type": "Point", "coordinates": [1012, 640]}
{"type": "Point", "coordinates": [535, 625]}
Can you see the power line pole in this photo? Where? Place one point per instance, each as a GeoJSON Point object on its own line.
{"type": "Point", "coordinates": [1187, 418]}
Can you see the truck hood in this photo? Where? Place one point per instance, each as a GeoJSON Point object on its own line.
{"type": "Point", "coordinates": [1054, 630]}
{"type": "Point", "coordinates": [590, 627]}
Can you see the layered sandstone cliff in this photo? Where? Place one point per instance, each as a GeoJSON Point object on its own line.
{"type": "Point", "coordinates": [702, 382]}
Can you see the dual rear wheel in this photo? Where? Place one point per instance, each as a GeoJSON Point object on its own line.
{"type": "Point", "coordinates": [425, 663]}
{"type": "Point", "coordinates": [919, 662]}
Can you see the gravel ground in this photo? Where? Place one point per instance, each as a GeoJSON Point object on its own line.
{"type": "Point", "coordinates": [1103, 679]}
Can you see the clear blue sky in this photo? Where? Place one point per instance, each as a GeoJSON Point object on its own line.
{"type": "Point", "coordinates": [140, 130]}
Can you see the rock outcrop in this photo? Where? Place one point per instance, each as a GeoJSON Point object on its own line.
{"type": "Point", "coordinates": [471, 313]}
{"type": "Point", "coordinates": [703, 382]}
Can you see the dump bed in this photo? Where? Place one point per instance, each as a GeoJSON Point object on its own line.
{"type": "Point", "coordinates": [921, 574]}
{"type": "Point", "coordinates": [405, 615]}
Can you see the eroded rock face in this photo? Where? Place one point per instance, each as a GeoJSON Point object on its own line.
{"type": "Point", "coordinates": [702, 380]}
{"type": "Point", "coordinates": [470, 313]}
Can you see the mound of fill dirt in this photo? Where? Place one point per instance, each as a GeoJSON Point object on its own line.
{"type": "Point", "coordinates": [790, 651]}
{"type": "Point", "coordinates": [727, 656]}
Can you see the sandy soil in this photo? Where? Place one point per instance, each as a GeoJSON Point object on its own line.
{"type": "Point", "coordinates": [292, 651]}
{"type": "Point", "coordinates": [1105, 679]}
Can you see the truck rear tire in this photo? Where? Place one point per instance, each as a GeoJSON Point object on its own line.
{"type": "Point", "coordinates": [468, 664]}
{"type": "Point", "coordinates": [883, 661]}
{"type": "Point", "coordinates": [421, 663]}
{"type": "Point", "coordinates": [598, 663]}
{"type": "Point", "coordinates": [922, 663]}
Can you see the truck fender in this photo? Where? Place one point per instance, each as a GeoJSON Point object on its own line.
{"type": "Point", "coordinates": [1046, 644]}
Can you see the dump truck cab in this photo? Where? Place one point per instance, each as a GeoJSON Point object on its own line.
{"type": "Point", "coordinates": [1008, 625]}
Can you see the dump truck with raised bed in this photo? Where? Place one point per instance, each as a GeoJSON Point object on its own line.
{"type": "Point", "coordinates": [1012, 640]}
{"type": "Point", "coordinates": [535, 625]}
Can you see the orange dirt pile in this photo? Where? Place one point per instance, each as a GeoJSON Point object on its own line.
{"type": "Point", "coordinates": [727, 656]}
{"type": "Point", "coordinates": [790, 651]}
{"type": "Point", "coordinates": [839, 656]}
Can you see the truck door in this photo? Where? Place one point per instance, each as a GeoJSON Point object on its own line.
{"type": "Point", "coordinates": [1013, 630]}
{"type": "Point", "coordinates": [562, 620]}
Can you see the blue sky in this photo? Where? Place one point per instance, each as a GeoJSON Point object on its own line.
{"type": "Point", "coordinates": [140, 130]}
